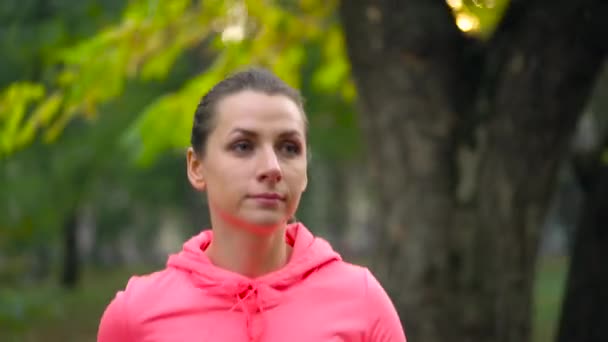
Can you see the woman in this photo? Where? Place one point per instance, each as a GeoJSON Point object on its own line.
{"type": "Point", "coordinates": [253, 276]}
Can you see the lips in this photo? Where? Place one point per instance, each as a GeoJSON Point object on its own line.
{"type": "Point", "coordinates": [269, 196]}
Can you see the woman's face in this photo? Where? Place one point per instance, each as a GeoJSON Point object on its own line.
{"type": "Point", "coordinates": [254, 164]}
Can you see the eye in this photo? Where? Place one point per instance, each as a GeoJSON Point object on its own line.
{"type": "Point", "coordinates": [290, 148]}
{"type": "Point", "coordinates": [242, 146]}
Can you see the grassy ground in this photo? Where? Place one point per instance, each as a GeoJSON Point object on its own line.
{"type": "Point", "coordinates": [548, 293]}
{"type": "Point", "coordinates": [74, 315]}
{"type": "Point", "coordinates": [69, 316]}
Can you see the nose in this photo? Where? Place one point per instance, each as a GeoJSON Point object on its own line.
{"type": "Point", "coordinates": [269, 166]}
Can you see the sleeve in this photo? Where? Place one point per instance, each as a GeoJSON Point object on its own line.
{"type": "Point", "coordinates": [113, 326]}
{"type": "Point", "coordinates": [384, 324]}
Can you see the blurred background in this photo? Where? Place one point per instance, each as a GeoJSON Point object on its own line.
{"type": "Point", "coordinates": [459, 150]}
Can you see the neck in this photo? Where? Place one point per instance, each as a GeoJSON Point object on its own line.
{"type": "Point", "coordinates": [242, 251]}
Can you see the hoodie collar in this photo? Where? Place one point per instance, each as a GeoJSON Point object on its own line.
{"type": "Point", "coordinates": [253, 295]}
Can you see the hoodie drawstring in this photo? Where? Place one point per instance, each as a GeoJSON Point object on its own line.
{"type": "Point", "coordinates": [243, 293]}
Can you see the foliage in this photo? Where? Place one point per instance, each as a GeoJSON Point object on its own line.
{"type": "Point", "coordinates": [86, 167]}
{"type": "Point", "coordinates": [34, 29]}
{"type": "Point", "coordinates": [299, 40]}
{"type": "Point", "coordinates": [148, 41]}
{"type": "Point", "coordinates": [152, 42]}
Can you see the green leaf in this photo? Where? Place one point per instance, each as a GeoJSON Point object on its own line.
{"type": "Point", "coordinates": [166, 123]}
{"type": "Point", "coordinates": [41, 116]}
{"type": "Point", "coordinates": [14, 102]}
{"type": "Point", "coordinates": [158, 67]}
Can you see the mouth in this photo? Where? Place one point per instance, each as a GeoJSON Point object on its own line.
{"type": "Point", "coordinates": [268, 196]}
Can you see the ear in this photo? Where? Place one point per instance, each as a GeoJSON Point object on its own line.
{"type": "Point", "coordinates": [195, 170]}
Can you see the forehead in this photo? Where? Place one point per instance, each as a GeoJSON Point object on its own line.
{"type": "Point", "coordinates": [257, 110]}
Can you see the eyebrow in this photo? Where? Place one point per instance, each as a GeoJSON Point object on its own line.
{"type": "Point", "coordinates": [250, 133]}
{"type": "Point", "coordinates": [290, 133]}
{"type": "Point", "coordinates": [243, 131]}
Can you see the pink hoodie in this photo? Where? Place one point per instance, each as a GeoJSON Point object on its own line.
{"type": "Point", "coordinates": [315, 297]}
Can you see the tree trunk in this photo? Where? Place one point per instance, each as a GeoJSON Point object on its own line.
{"type": "Point", "coordinates": [585, 308]}
{"type": "Point", "coordinates": [407, 79]}
{"type": "Point", "coordinates": [545, 73]}
{"type": "Point", "coordinates": [71, 262]}
{"type": "Point", "coordinates": [337, 215]}
{"type": "Point", "coordinates": [459, 267]}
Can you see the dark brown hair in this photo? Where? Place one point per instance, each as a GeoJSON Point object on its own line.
{"type": "Point", "coordinates": [256, 79]}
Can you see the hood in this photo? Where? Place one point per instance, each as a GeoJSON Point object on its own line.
{"type": "Point", "coordinates": [253, 295]}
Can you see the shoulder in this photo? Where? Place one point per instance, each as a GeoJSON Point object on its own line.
{"type": "Point", "coordinates": [120, 316]}
{"type": "Point", "coordinates": [363, 279]}
{"type": "Point", "coordinates": [143, 292]}
{"type": "Point", "coordinates": [382, 321]}
{"type": "Point", "coordinates": [357, 277]}
{"type": "Point", "coordinates": [141, 286]}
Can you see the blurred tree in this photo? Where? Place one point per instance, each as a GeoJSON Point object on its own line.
{"type": "Point", "coordinates": [464, 134]}
{"type": "Point", "coordinates": [146, 44]}
{"type": "Point", "coordinates": [584, 313]}
{"type": "Point", "coordinates": [31, 31]}
{"type": "Point", "coordinates": [152, 40]}
{"type": "Point", "coordinates": [585, 307]}
{"type": "Point", "coordinates": [464, 138]}
{"type": "Point", "coordinates": [45, 188]}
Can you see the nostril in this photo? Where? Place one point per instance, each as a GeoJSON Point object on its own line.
{"type": "Point", "coordinates": [271, 175]}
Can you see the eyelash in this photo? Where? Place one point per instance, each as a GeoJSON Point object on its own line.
{"type": "Point", "coordinates": [296, 147]}
{"type": "Point", "coordinates": [244, 146]}
{"type": "Point", "coordinates": [236, 146]}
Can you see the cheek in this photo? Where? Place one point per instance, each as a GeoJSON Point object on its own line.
{"type": "Point", "coordinates": [296, 177]}
{"type": "Point", "coordinates": [221, 183]}
{"type": "Point", "coordinates": [223, 196]}
{"type": "Point", "coordinates": [234, 178]}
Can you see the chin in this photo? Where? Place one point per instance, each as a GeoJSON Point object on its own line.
{"type": "Point", "coordinates": [265, 220]}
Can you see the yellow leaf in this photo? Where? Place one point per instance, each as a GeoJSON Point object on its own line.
{"type": "Point", "coordinates": [14, 102]}
{"type": "Point", "coordinates": [47, 109]}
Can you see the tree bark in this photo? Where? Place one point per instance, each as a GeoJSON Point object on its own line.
{"type": "Point", "coordinates": [547, 67]}
{"type": "Point", "coordinates": [584, 314]}
{"type": "Point", "coordinates": [407, 79]}
{"type": "Point", "coordinates": [460, 267]}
